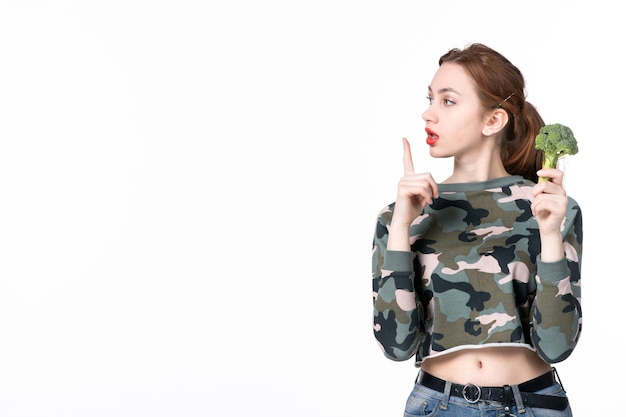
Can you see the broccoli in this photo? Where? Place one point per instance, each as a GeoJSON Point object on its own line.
{"type": "Point", "coordinates": [555, 141]}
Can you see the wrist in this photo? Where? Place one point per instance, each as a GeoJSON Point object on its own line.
{"type": "Point", "coordinates": [398, 238]}
{"type": "Point", "coordinates": [552, 247]}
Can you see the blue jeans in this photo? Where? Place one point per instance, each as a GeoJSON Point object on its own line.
{"type": "Point", "coordinates": [424, 401]}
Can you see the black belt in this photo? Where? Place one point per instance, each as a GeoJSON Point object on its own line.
{"type": "Point", "coordinates": [474, 393]}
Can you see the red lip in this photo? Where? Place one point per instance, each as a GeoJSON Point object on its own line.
{"type": "Point", "coordinates": [431, 137]}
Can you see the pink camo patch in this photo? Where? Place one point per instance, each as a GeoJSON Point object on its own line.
{"type": "Point", "coordinates": [406, 300]}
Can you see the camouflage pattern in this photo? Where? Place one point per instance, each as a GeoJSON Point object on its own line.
{"type": "Point", "coordinates": [474, 276]}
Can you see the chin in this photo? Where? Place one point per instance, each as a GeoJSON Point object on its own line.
{"type": "Point", "coordinates": [438, 154]}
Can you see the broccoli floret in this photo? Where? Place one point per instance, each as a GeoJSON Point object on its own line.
{"type": "Point", "coordinates": [555, 140]}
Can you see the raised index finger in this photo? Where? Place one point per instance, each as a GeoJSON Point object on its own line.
{"type": "Point", "coordinates": [407, 159]}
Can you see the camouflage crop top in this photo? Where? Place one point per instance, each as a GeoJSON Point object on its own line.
{"type": "Point", "coordinates": [474, 278]}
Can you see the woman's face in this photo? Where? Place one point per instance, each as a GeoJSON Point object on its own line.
{"type": "Point", "coordinates": [455, 117]}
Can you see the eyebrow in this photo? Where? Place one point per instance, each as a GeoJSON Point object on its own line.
{"type": "Point", "coordinates": [445, 90]}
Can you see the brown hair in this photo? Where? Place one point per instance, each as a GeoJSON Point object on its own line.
{"type": "Point", "coordinates": [500, 84]}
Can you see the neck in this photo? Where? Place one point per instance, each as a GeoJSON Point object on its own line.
{"type": "Point", "coordinates": [477, 171]}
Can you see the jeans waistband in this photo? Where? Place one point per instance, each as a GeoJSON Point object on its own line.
{"type": "Point", "coordinates": [473, 393]}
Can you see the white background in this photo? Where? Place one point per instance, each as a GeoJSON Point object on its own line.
{"type": "Point", "coordinates": [188, 193]}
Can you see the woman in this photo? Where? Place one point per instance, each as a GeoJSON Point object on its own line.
{"type": "Point", "coordinates": [478, 277]}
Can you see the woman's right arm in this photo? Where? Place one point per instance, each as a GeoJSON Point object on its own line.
{"type": "Point", "coordinates": [398, 313]}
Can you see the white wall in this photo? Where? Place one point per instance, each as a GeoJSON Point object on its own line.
{"type": "Point", "coordinates": [188, 191]}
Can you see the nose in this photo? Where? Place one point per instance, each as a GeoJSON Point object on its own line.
{"type": "Point", "coordinates": [429, 115]}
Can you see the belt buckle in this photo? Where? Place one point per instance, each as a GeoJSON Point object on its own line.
{"type": "Point", "coordinates": [471, 392]}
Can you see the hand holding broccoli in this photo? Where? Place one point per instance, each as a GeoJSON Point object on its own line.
{"type": "Point", "coordinates": [555, 140]}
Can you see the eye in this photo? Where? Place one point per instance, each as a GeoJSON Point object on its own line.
{"type": "Point", "coordinates": [448, 102]}
{"type": "Point", "coordinates": [430, 99]}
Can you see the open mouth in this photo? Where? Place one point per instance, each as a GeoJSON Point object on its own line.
{"type": "Point", "coordinates": [431, 137]}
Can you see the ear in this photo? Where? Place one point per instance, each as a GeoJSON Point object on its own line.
{"type": "Point", "coordinates": [495, 122]}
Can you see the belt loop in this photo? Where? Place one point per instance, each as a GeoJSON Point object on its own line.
{"type": "Point", "coordinates": [506, 395]}
{"type": "Point", "coordinates": [558, 378]}
{"type": "Point", "coordinates": [519, 403]}
{"type": "Point", "coordinates": [446, 395]}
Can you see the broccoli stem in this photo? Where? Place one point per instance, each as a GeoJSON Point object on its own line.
{"type": "Point", "coordinates": [549, 161]}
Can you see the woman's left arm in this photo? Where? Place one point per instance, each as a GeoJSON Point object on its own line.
{"type": "Point", "coordinates": [556, 314]}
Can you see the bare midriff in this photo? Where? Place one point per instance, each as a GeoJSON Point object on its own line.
{"type": "Point", "coordinates": [490, 366]}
